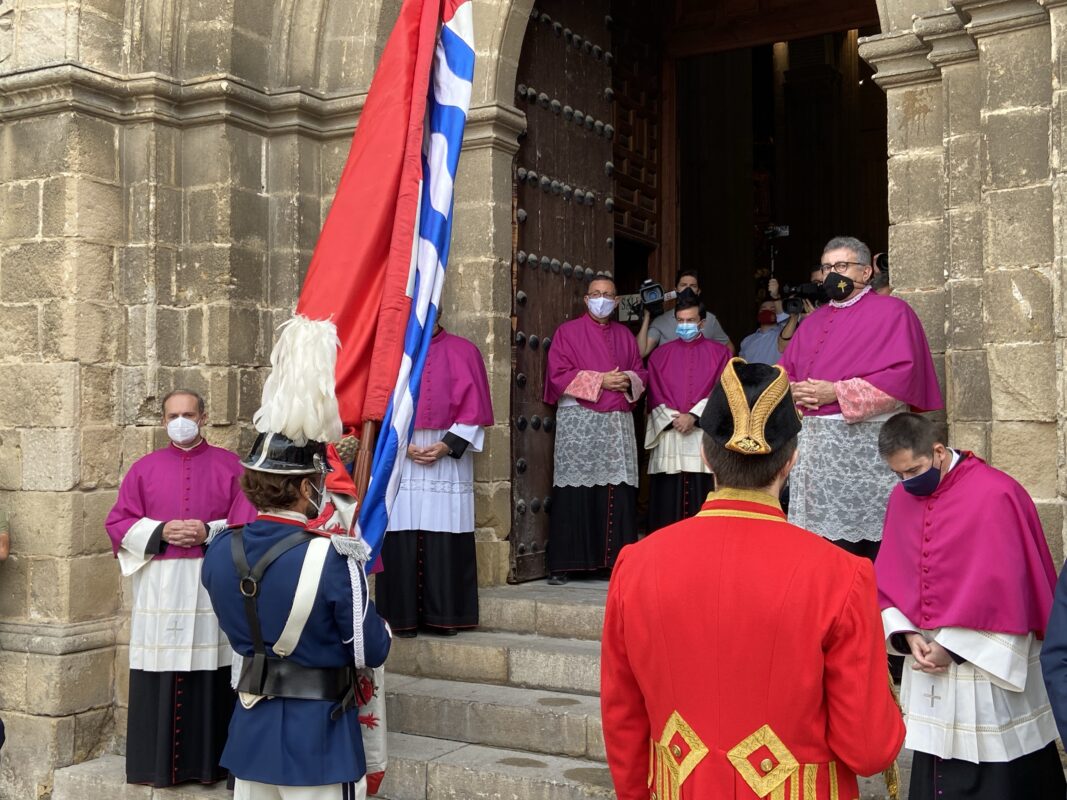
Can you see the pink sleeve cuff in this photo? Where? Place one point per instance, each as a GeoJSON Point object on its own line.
{"type": "Point", "coordinates": [637, 386]}
{"type": "Point", "coordinates": [860, 400]}
{"type": "Point", "coordinates": [587, 385]}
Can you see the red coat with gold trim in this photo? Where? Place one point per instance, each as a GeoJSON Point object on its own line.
{"type": "Point", "coordinates": [743, 657]}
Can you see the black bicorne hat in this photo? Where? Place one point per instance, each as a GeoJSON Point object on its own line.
{"type": "Point", "coordinates": [276, 453]}
{"type": "Point", "coordinates": [751, 409]}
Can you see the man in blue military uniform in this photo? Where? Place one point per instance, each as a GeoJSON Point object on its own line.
{"type": "Point", "coordinates": [284, 597]}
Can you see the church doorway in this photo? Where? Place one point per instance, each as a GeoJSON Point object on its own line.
{"type": "Point", "coordinates": [729, 138]}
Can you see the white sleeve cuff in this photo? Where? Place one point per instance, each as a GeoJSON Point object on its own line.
{"type": "Point", "coordinates": [474, 434]}
{"type": "Point", "coordinates": [698, 409]}
{"type": "Point", "coordinates": [131, 553]}
{"type": "Point", "coordinates": [214, 528]}
{"type": "Point", "coordinates": [894, 621]}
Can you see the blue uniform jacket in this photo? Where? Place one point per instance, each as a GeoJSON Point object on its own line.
{"type": "Point", "coordinates": [288, 742]}
{"type": "Point", "coordinates": [1054, 655]}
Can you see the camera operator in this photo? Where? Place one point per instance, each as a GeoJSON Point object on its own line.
{"type": "Point", "coordinates": [807, 307]}
{"type": "Point", "coordinates": [660, 330]}
{"type": "Point", "coordinates": [761, 347]}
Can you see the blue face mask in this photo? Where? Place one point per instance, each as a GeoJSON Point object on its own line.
{"type": "Point", "coordinates": [687, 331]}
{"type": "Point", "coordinates": [925, 483]}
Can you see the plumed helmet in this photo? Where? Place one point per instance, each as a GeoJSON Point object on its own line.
{"type": "Point", "coordinates": [276, 453]}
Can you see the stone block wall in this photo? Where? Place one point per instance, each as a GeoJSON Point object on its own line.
{"type": "Point", "coordinates": [165, 169]}
{"type": "Point", "coordinates": [976, 211]}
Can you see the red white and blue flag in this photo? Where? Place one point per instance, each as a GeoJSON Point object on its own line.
{"type": "Point", "coordinates": [379, 265]}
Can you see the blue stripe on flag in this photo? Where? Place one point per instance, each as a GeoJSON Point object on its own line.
{"type": "Point", "coordinates": [458, 54]}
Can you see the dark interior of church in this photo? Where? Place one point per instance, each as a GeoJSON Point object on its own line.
{"type": "Point", "coordinates": [749, 133]}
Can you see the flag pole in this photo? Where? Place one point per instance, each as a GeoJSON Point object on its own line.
{"type": "Point", "coordinates": [364, 456]}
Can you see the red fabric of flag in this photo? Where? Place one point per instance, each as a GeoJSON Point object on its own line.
{"type": "Point", "coordinates": [359, 271]}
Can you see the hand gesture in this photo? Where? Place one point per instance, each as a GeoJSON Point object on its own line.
{"type": "Point", "coordinates": [184, 532]}
{"type": "Point", "coordinates": [929, 656]}
{"type": "Point", "coordinates": [428, 455]}
{"type": "Point", "coordinates": [684, 423]}
{"type": "Point", "coordinates": [813, 393]}
{"type": "Point", "coordinates": [615, 381]}
{"type": "Point", "coordinates": [772, 288]}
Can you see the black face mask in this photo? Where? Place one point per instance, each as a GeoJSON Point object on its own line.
{"type": "Point", "coordinates": [687, 294]}
{"type": "Point", "coordinates": [838, 287]}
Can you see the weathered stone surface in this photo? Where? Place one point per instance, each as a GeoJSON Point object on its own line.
{"type": "Point", "coordinates": [494, 557]}
{"type": "Point", "coordinates": [472, 657]}
{"type": "Point", "coordinates": [76, 206]}
{"type": "Point", "coordinates": [35, 744]}
{"type": "Point", "coordinates": [1017, 147]}
{"type": "Point", "coordinates": [1051, 514]}
{"type": "Point", "coordinates": [20, 210]}
{"type": "Point", "coordinates": [1015, 69]}
{"type": "Point", "coordinates": [915, 117]}
{"type": "Point", "coordinates": [1028, 451]}
{"type": "Point", "coordinates": [85, 679]}
{"type": "Point", "coordinates": [101, 457]}
{"type": "Point", "coordinates": [21, 339]}
{"type": "Point", "coordinates": [492, 506]}
{"type": "Point", "coordinates": [540, 608]}
{"type": "Point", "coordinates": [1018, 227]}
{"type": "Point", "coordinates": [963, 97]}
{"type": "Point", "coordinates": [930, 308]}
{"type": "Point", "coordinates": [916, 187]}
{"type": "Point", "coordinates": [1017, 306]}
{"type": "Point", "coordinates": [972, 436]}
{"type": "Point", "coordinates": [965, 242]}
{"type": "Point", "coordinates": [963, 173]}
{"type": "Point", "coordinates": [10, 460]}
{"type": "Point", "coordinates": [918, 254]}
{"type": "Point", "coordinates": [965, 331]}
{"type": "Point", "coordinates": [53, 387]}
{"type": "Point", "coordinates": [1022, 381]}
{"type": "Point", "coordinates": [51, 459]}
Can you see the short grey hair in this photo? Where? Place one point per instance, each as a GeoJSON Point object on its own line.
{"type": "Point", "coordinates": [199, 399]}
{"type": "Point", "coordinates": [858, 248]}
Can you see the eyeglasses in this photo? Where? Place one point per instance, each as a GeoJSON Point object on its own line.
{"type": "Point", "coordinates": [840, 266]}
{"type": "Point", "coordinates": [595, 295]}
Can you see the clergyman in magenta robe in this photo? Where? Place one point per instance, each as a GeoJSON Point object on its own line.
{"type": "Point", "coordinates": [594, 375]}
{"type": "Point", "coordinates": [170, 504]}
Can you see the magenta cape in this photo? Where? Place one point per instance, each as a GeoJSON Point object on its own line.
{"type": "Point", "coordinates": [681, 374]}
{"type": "Point", "coordinates": [454, 385]}
{"type": "Point", "coordinates": [878, 339]}
{"type": "Point", "coordinates": [586, 344]}
{"type": "Point", "coordinates": [971, 555]}
{"type": "Point", "coordinates": [171, 483]}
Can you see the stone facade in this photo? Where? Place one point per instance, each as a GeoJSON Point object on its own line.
{"type": "Point", "coordinates": [164, 172]}
{"type": "Point", "coordinates": [976, 206]}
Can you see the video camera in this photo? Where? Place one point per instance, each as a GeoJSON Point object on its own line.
{"type": "Point", "coordinates": [653, 297]}
{"type": "Point", "coordinates": [793, 297]}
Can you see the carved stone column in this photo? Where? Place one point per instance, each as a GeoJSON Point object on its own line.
{"type": "Point", "coordinates": [1016, 79]}
{"type": "Point", "coordinates": [918, 252]}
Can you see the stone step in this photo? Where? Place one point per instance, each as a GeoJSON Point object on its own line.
{"type": "Point", "coordinates": [574, 611]}
{"type": "Point", "coordinates": [497, 716]}
{"type": "Point", "coordinates": [422, 768]}
{"type": "Point", "coordinates": [527, 660]}
{"type": "Point", "coordinates": [419, 768]}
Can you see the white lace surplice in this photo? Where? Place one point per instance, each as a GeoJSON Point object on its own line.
{"type": "Point", "coordinates": [439, 496]}
{"type": "Point", "coordinates": [992, 708]}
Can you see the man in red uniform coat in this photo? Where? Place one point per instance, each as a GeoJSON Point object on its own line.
{"type": "Point", "coordinates": [742, 656]}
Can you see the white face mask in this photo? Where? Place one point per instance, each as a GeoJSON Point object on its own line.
{"type": "Point", "coordinates": [601, 306]}
{"type": "Point", "coordinates": [182, 430]}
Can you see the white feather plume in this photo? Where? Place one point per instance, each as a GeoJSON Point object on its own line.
{"type": "Point", "coordinates": [299, 396]}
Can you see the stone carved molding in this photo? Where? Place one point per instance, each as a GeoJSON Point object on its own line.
{"type": "Point", "coordinates": [900, 59]}
{"type": "Point", "coordinates": [946, 34]}
{"type": "Point", "coordinates": [990, 17]}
